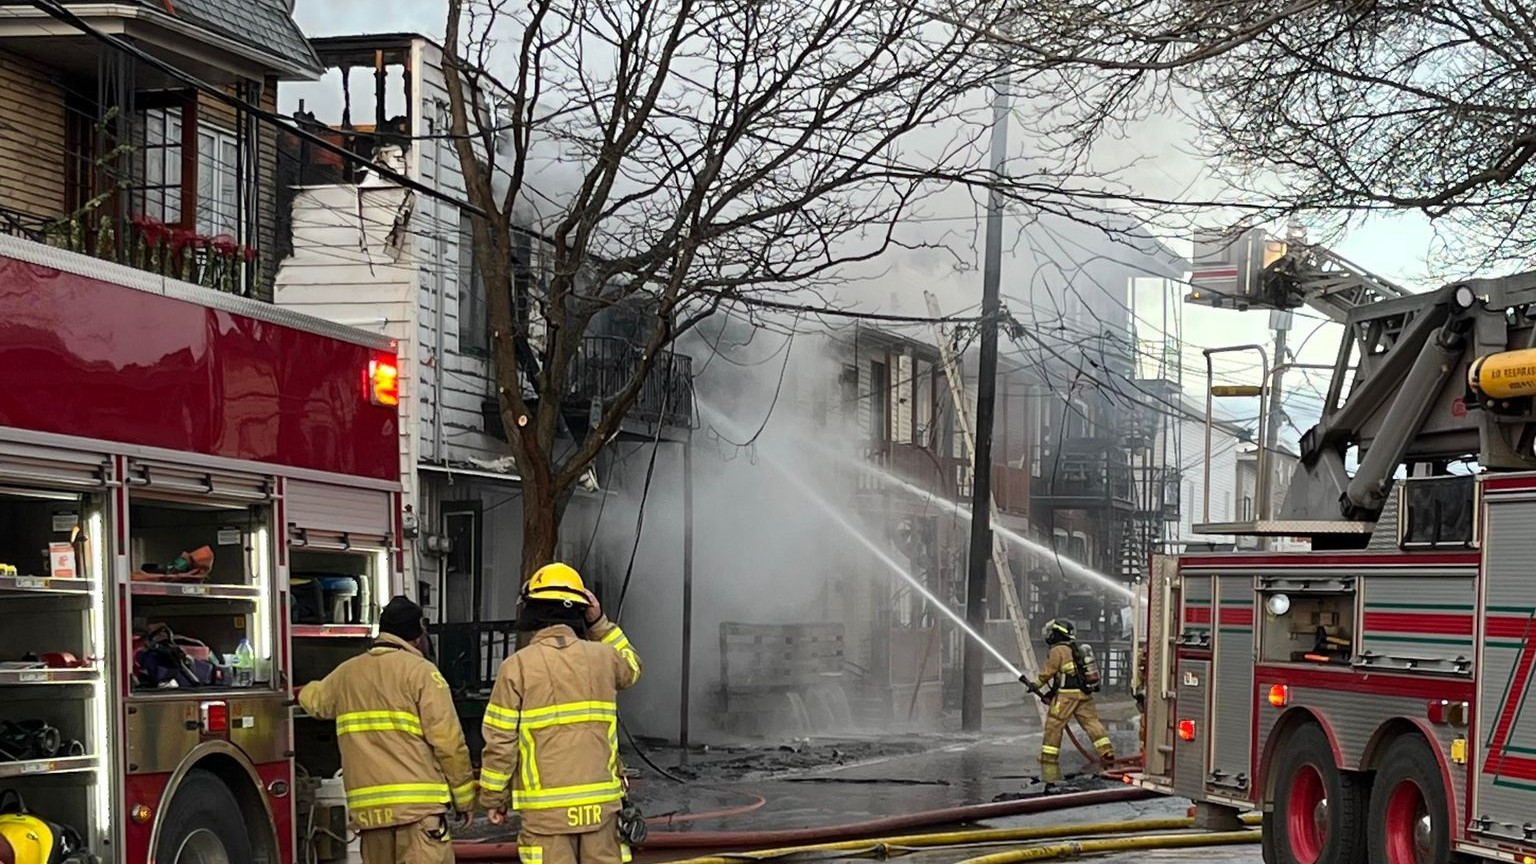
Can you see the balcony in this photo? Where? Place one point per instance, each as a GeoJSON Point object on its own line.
{"type": "Point", "coordinates": [605, 364]}
{"type": "Point", "coordinates": [1085, 475]}
{"type": "Point", "coordinates": [146, 181]}
{"type": "Point", "coordinates": [217, 262]}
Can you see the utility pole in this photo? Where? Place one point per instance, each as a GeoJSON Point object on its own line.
{"type": "Point", "coordinates": [1011, 602]}
{"type": "Point", "coordinates": [1264, 477]}
{"type": "Point", "coordinates": [685, 679]}
{"type": "Point", "coordinates": [986, 404]}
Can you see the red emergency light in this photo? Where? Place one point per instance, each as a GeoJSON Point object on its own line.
{"type": "Point", "coordinates": [1279, 695]}
{"type": "Point", "coordinates": [1186, 730]}
{"type": "Point", "coordinates": [381, 382]}
{"type": "Point", "coordinates": [215, 718]}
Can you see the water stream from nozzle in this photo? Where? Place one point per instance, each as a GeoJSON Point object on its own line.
{"type": "Point", "coordinates": [839, 519]}
{"type": "Point", "coordinates": [1067, 564]}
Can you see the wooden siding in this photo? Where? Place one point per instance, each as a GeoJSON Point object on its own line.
{"type": "Point", "coordinates": [32, 138]}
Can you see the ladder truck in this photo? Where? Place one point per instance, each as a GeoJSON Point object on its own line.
{"type": "Point", "coordinates": [1375, 697]}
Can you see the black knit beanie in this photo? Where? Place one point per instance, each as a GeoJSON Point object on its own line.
{"type": "Point", "coordinates": [401, 618]}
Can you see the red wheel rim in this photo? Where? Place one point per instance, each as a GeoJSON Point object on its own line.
{"type": "Point", "coordinates": [1409, 828]}
{"type": "Point", "coordinates": [1306, 817]}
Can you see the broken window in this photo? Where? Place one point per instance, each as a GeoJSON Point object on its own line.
{"type": "Point", "coordinates": [474, 326]}
{"type": "Point", "coordinates": [879, 402]}
{"type": "Point", "coordinates": [923, 399]}
{"type": "Point", "coordinates": [901, 401]}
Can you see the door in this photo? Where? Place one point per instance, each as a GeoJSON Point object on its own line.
{"type": "Point", "coordinates": [461, 566]}
{"type": "Point", "coordinates": [459, 648]}
{"type": "Point", "coordinates": [1506, 717]}
{"type": "Point", "coordinates": [1231, 737]}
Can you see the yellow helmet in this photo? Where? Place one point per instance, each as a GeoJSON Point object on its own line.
{"type": "Point", "coordinates": [556, 582]}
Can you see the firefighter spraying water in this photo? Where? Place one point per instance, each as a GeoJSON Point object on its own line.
{"type": "Point", "coordinates": [1067, 684]}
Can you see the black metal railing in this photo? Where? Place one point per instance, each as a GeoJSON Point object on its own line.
{"type": "Point", "coordinates": [469, 653]}
{"type": "Point", "coordinates": [1098, 476]}
{"type": "Point", "coordinates": [16, 223]}
{"type": "Point", "coordinates": [606, 364]}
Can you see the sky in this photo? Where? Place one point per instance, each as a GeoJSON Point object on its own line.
{"type": "Point", "coordinates": [1395, 247]}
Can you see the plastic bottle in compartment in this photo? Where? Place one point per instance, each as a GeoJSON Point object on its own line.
{"type": "Point", "coordinates": [245, 664]}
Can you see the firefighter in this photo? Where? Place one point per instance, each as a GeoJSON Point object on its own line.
{"type": "Point", "coordinates": [1063, 684]}
{"type": "Point", "coordinates": [403, 758]}
{"type": "Point", "coordinates": [551, 729]}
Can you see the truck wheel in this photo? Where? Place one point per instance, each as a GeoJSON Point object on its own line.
{"type": "Point", "coordinates": [1410, 817]}
{"type": "Point", "coordinates": [1318, 808]}
{"type": "Point", "coordinates": [203, 824]}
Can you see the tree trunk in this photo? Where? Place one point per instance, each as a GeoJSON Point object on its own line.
{"type": "Point", "coordinates": [541, 526]}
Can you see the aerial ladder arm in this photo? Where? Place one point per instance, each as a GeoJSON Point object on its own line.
{"type": "Point", "coordinates": [1420, 379]}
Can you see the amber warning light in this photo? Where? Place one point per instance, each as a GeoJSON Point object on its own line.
{"type": "Point", "coordinates": [381, 381]}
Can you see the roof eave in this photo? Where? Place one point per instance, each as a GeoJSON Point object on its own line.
{"type": "Point", "coordinates": [283, 68]}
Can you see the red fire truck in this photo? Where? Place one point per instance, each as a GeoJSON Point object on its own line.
{"type": "Point", "coordinates": [1375, 697]}
{"type": "Point", "coordinates": [174, 460]}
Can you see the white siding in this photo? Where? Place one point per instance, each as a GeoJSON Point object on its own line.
{"type": "Point", "coordinates": [346, 268]}
{"type": "Point", "coordinates": [1222, 478]}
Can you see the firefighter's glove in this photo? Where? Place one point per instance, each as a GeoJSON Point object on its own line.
{"type": "Point", "coordinates": [465, 818]}
{"type": "Point", "coordinates": [497, 816]}
{"type": "Point", "coordinates": [594, 608]}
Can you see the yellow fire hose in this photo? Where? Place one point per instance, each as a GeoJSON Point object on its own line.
{"type": "Point", "coordinates": [1074, 848]}
{"type": "Point", "coordinates": [887, 845]}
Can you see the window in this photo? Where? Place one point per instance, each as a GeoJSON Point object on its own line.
{"type": "Point", "coordinates": [218, 184]}
{"type": "Point", "coordinates": [879, 401]}
{"type": "Point", "coordinates": [922, 402]}
{"type": "Point", "coordinates": [474, 326]}
{"type": "Point", "coordinates": [157, 138]}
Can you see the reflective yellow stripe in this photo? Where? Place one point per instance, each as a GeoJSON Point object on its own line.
{"type": "Point", "coordinates": [530, 762]}
{"type": "Point", "coordinates": [566, 719]}
{"type": "Point", "coordinates": [550, 715]}
{"type": "Point", "coordinates": [1101, 743]}
{"type": "Point", "coordinates": [494, 781]}
{"type": "Point", "coordinates": [398, 793]}
{"type": "Point", "coordinates": [620, 642]}
{"type": "Point", "coordinates": [464, 795]}
{"type": "Point", "coordinates": [1048, 750]}
{"type": "Point", "coordinates": [560, 707]}
{"type": "Point", "coordinates": [498, 717]}
{"type": "Point", "coordinates": [625, 856]}
{"type": "Point", "coordinates": [567, 796]}
{"type": "Point", "coordinates": [1069, 667]}
{"type": "Point", "coordinates": [378, 721]}
{"type": "Point", "coordinates": [530, 854]}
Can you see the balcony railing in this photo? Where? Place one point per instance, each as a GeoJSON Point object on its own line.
{"type": "Point", "coordinates": [605, 364]}
{"type": "Point", "coordinates": [1086, 477]}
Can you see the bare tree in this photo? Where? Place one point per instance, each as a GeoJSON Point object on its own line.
{"type": "Point", "coordinates": [1332, 108]}
{"type": "Point", "coordinates": [725, 152]}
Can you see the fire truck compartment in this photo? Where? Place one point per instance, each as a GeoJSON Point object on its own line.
{"type": "Point", "coordinates": [221, 608]}
{"type": "Point", "coordinates": [1504, 806]}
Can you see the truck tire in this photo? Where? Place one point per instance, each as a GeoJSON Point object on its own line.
{"type": "Point", "coordinates": [1318, 809]}
{"type": "Point", "coordinates": [1410, 815]}
{"type": "Point", "coordinates": [203, 824]}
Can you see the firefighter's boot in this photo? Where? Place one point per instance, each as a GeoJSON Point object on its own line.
{"type": "Point", "coordinates": [1050, 765]}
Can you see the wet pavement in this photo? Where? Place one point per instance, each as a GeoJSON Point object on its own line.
{"type": "Point", "coordinates": [831, 781]}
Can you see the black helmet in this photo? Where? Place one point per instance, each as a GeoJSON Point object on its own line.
{"type": "Point", "coordinates": [1058, 630]}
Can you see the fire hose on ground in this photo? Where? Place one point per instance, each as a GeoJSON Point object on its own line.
{"type": "Point", "coordinates": [883, 847]}
{"type": "Point", "coordinates": [481, 851]}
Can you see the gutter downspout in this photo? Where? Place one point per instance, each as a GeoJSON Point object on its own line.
{"type": "Point", "coordinates": [440, 241]}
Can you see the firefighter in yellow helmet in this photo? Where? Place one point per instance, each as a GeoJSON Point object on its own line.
{"type": "Point", "coordinates": [1067, 686]}
{"type": "Point", "coordinates": [551, 729]}
{"type": "Point", "coordinates": [403, 759]}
